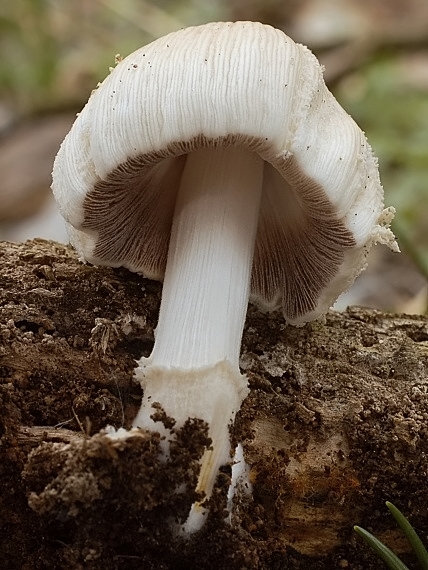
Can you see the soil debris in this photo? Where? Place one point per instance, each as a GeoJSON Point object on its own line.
{"type": "Point", "coordinates": [335, 424]}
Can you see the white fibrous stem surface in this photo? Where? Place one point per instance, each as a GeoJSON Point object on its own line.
{"type": "Point", "coordinates": [193, 371]}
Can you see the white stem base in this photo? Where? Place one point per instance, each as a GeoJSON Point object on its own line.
{"type": "Point", "coordinates": [213, 394]}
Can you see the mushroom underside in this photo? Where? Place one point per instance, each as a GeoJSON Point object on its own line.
{"type": "Point", "coordinates": [300, 243]}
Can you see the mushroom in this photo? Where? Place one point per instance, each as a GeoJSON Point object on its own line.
{"type": "Point", "coordinates": [216, 160]}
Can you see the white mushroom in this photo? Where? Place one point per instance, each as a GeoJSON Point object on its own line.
{"type": "Point", "coordinates": [216, 159]}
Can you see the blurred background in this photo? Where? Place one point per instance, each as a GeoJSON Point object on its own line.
{"type": "Point", "coordinates": [375, 53]}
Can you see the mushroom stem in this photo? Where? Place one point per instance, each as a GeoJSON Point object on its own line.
{"type": "Point", "coordinates": [193, 370]}
{"type": "Point", "coordinates": [207, 280]}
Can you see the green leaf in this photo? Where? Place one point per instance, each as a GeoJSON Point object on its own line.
{"type": "Point", "coordinates": [390, 559]}
{"type": "Point", "coordinates": [411, 535]}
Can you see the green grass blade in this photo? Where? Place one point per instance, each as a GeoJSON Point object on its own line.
{"type": "Point", "coordinates": [411, 535]}
{"type": "Point", "coordinates": [390, 559]}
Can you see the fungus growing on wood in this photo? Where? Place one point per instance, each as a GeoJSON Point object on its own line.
{"type": "Point", "coordinates": [216, 160]}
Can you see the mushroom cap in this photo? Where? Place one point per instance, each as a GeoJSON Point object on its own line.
{"type": "Point", "coordinates": [117, 173]}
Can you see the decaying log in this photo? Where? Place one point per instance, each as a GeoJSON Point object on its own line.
{"type": "Point", "coordinates": [335, 424]}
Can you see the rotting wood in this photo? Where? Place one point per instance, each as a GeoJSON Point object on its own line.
{"type": "Point", "coordinates": [335, 424]}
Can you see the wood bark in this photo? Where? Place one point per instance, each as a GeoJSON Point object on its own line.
{"type": "Point", "coordinates": [335, 425]}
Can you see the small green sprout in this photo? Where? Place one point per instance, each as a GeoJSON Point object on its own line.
{"type": "Point", "coordinates": [390, 559]}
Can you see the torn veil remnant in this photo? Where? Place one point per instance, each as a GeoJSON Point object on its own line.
{"type": "Point", "coordinates": [216, 159]}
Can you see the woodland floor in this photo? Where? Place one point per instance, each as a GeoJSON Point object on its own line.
{"type": "Point", "coordinates": [335, 424]}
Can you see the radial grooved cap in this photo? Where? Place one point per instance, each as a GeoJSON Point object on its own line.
{"type": "Point", "coordinates": [245, 84]}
